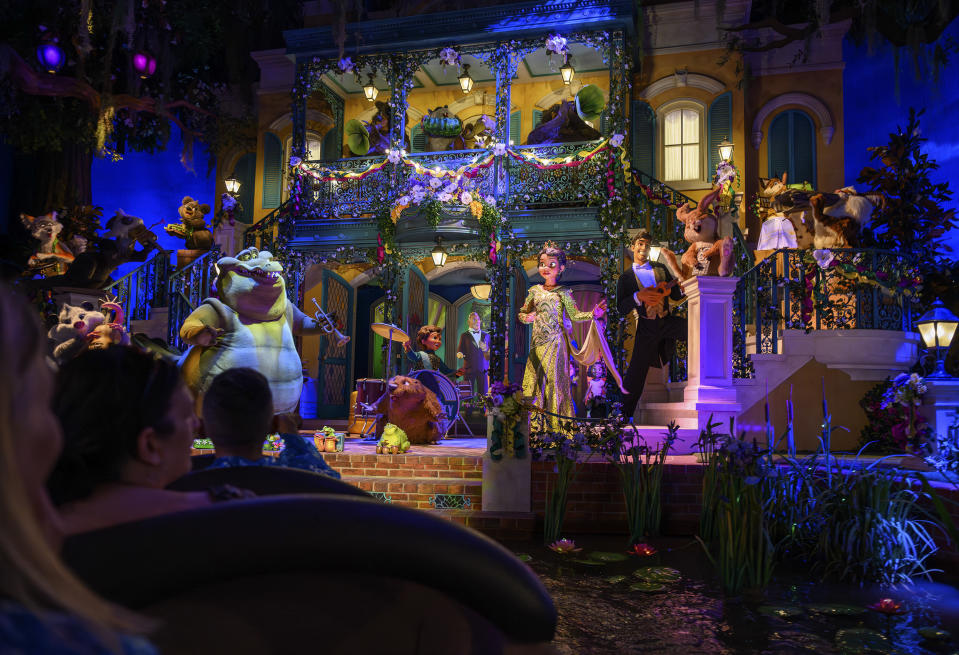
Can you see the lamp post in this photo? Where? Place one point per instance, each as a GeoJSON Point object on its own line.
{"type": "Point", "coordinates": [726, 149]}
{"type": "Point", "coordinates": [439, 253]}
{"type": "Point", "coordinates": [567, 71]}
{"type": "Point", "coordinates": [232, 186]}
{"type": "Point", "coordinates": [937, 328]}
{"type": "Point", "coordinates": [466, 82]}
{"type": "Point", "coordinates": [369, 89]}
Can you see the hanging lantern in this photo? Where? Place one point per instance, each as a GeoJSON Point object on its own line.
{"type": "Point", "coordinates": [144, 64]}
{"type": "Point", "coordinates": [466, 82]}
{"type": "Point", "coordinates": [51, 56]}
{"type": "Point", "coordinates": [481, 291]}
{"type": "Point", "coordinates": [369, 90]}
{"type": "Point", "coordinates": [232, 186]}
{"type": "Point", "coordinates": [725, 149]}
{"type": "Point", "coordinates": [567, 70]}
{"type": "Point", "coordinates": [439, 253]}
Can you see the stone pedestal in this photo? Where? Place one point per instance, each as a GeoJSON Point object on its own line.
{"type": "Point", "coordinates": [940, 406]}
{"type": "Point", "coordinates": [506, 482]}
{"type": "Point", "coordinates": [186, 257]}
{"type": "Point", "coordinates": [709, 389]}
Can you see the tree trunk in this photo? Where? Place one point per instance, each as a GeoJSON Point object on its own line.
{"type": "Point", "coordinates": [52, 179]}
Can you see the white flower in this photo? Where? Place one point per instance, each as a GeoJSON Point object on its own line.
{"type": "Point", "coordinates": [488, 121]}
{"type": "Point", "coordinates": [616, 140]}
{"type": "Point", "coordinates": [403, 200]}
{"type": "Point", "coordinates": [417, 189]}
{"type": "Point", "coordinates": [394, 156]}
{"type": "Point", "coordinates": [228, 202]}
{"type": "Point", "coordinates": [345, 65]}
{"type": "Point", "coordinates": [444, 197]}
{"type": "Point", "coordinates": [449, 56]}
{"type": "Point", "coordinates": [435, 182]}
{"type": "Point", "coordinates": [490, 200]}
{"type": "Point", "coordinates": [823, 257]}
{"type": "Point", "coordinates": [295, 161]}
{"type": "Point", "coordinates": [499, 149]}
{"type": "Point", "coordinates": [466, 197]}
{"type": "Point", "coordinates": [556, 43]}
{"type": "Point", "coordinates": [451, 188]}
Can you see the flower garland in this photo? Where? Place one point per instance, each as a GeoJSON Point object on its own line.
{"type": "Point", "coordinates": [506, 404]}
{"type": "Point", "coordinates": [893, 420]}
{"type": "Point", "coordinates": [902, 279]}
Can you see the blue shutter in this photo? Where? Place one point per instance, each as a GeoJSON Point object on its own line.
{"type": "Point", "coordinates": [245, 172]}
{"type": "Point", "coordinates": [803, 149]}
{"type": "Point", "coordinates": [272, 170]}
{"type": "Point", "coordinates": [537, 117]}
{"type": "Point", "coordinates": [331, 148]}
{"type": "Point", "coordinates": [779, 159]}
{"type": "Point", "coordinates": [604, 125]}
{"type": "Point", "coordinates": [720, 126]}
{"type": "Point", "coordinates": [644, 137]}
{"type": "Point", "coordinates": [514, 127]}
{"type": "Point", "coordinates": [417, 139]}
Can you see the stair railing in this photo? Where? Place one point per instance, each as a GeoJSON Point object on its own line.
{"type": "Point", "coordinates": [188, 287]}
{"type": "Point", "coordinates": [142, 289]}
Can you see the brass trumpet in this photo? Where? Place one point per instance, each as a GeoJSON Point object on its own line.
{"type": "Point", "coordinates": [328, 326]}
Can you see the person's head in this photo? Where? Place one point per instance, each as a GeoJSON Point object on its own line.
{"type": "Point", "coordinates": [429, 337]}
{"type": "Point", "coordinates": [127, 417]}
{"type": "Point", "coordinates": [552, 263]}
{"type": "Point", "coordinates": [640, 246]}
{"type": "Point", "coordinates": [31, 572]}
{"type": "Point", "coordinates": [238, 411]}
{"type": "Point", "coordinates": [475, 322]}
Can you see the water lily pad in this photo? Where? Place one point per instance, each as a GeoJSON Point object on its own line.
{"type": "Point", "coordinates": [615, 579]}
{"type": "Point", "coordinates": [647, 587]}
{"type": "Point", "coordinates": [589, 562]}
{"type": "Point", "coordinates": [863, 640]}
{"type": "Point", "coordinates": [934, 634]}
{"type": "Point", "coordinates": [835, 609]}
{"type": "Point", "coordinates": [524, 557]}
{"type": "Point", "coordinates": [781, 611]}
{"type": "Point", "coordinates": [658, 574]}
{"type": "Point", "coordinates": [607, 557]}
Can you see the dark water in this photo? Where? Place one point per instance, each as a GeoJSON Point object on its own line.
{"type": "Point", "coordinates": [599, 616]}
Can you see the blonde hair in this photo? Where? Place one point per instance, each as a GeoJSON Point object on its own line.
{"type": "Point", "coordinates": [31, 571]}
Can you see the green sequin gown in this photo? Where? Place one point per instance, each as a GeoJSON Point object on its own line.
{"type": "Point", "coordinates": [546, 379]}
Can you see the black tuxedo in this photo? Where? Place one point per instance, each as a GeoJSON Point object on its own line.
{"type": "Point", "coordinates": [655, 340]}
{"type": "Point", "coordinates": [475, 360]}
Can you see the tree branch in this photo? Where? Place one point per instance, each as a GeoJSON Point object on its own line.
{"type": "Point", "coordinates": [39, 84]}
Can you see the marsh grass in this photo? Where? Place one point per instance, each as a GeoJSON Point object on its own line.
{"type": "Point", "coordinates": [641, 473]}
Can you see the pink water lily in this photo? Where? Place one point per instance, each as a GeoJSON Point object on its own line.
{"type": "Point", "coordinates": [887, 606]}
{"type": "Point", "coordinates": [564, 546]}
{"type": "Point", "coordinates": [641, 550]}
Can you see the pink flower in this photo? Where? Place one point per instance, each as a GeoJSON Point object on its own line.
{"type": "Point", "coordinates": [887, 606]}
{"type": "Point", "coordinates": [641, 550]}
{"type": "Point", "coordinates": [564, 546]}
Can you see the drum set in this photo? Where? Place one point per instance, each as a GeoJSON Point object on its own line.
{"type": "Point", "coordinates": [369, 390]}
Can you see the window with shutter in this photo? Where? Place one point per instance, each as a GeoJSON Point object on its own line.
{"type": "Point", "coordinates": [644, 137]}
{"type": "Point", "coordinates": [245, 172]}
{"type": "Point", "coordinates": [537, 118]}
{"type": "Point", "coordinates": [331, 148]}
{"type": "Point", "coordinates": [681, 145]}
{"type": "Point", "coordinates": [720, 127]}
{"type": "Point", "coordinates": [418, 139]}
{"type": "Point", "coordinates": [792, 147]}
{"type": "Point", "coordinates": [272, 170]}
{"type": "Point", "coordinates": [515, 137]}
{"type": "Point", "coordinates": [604, 125]}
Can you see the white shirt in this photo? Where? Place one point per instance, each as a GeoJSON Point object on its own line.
{"type": "Point", "coordinates": [476, 337]}
{"type": "Point", "coordinates": [645, 274]}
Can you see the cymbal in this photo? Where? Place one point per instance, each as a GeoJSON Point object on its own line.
{"type": "Point", "coordinates": [389, 331]}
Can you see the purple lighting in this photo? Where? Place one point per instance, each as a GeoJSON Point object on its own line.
{"type": "Point", "coordinates": [51, 56]}
{"type": "Point", "coordinates": [144, 64]}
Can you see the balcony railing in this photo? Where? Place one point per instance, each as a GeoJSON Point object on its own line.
{"type": "Point", "coordinates": [845, 289]}
{"type": "Point", "coordinates": [188, 287]}
{"type": "Point", "coordinates": [143, 288]}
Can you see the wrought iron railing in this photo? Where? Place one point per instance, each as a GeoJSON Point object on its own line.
{"type": "Point", "coordinates": [143, 288]}
{"type": "Point", "coordinates": [263, 233]}
{"type": "Point", "coordinates": [188, 287]}
{"type": "Point", "coordinates": [531, 187]}
{"type": "Point", "coordinates": [845, 289]}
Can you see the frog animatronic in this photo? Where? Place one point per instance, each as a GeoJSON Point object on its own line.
{"type": "Point", "coordinates": [251, 323]}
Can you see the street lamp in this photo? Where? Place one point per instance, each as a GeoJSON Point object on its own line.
{"type": "Point", "coordinates": [567, 70]}
{"type": "Point", "coordinates": [232, 186]}
{"type": "Point", "coordinates": [439, 253]}
{"type": "Point", "coordinates": [726, 149]}
{"type": "Point", "coordinates": [938, 327]}
{"type": "Point", "coordinates": [481, 291]}
{"type": "Point", "coordinates": [369, 89]}
{"type": "Point", "coordinates": [466, 82]}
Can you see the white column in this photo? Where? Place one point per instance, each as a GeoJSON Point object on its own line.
{"type": "Point", "coordinates": [507, 481]}
{"type": "Point", "coordinates": [709, 386]}
{"type": "Point", "coordinates": [940, 405]}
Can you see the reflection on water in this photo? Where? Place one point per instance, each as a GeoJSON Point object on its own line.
{"type": "Point", "coordinates": [599, 614]}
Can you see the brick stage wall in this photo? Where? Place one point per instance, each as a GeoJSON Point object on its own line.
{"type": "Point", "coordinates": [596, 503]}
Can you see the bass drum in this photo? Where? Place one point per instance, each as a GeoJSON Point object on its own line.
{"type": "Point", "coordinates": [446, 392]}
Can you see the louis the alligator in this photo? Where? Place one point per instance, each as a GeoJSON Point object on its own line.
{"type": "Point", "coordinates": [251, 323]}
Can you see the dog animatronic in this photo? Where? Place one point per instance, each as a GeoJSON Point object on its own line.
{"type": "Point", "coordinates": [410, 406]}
